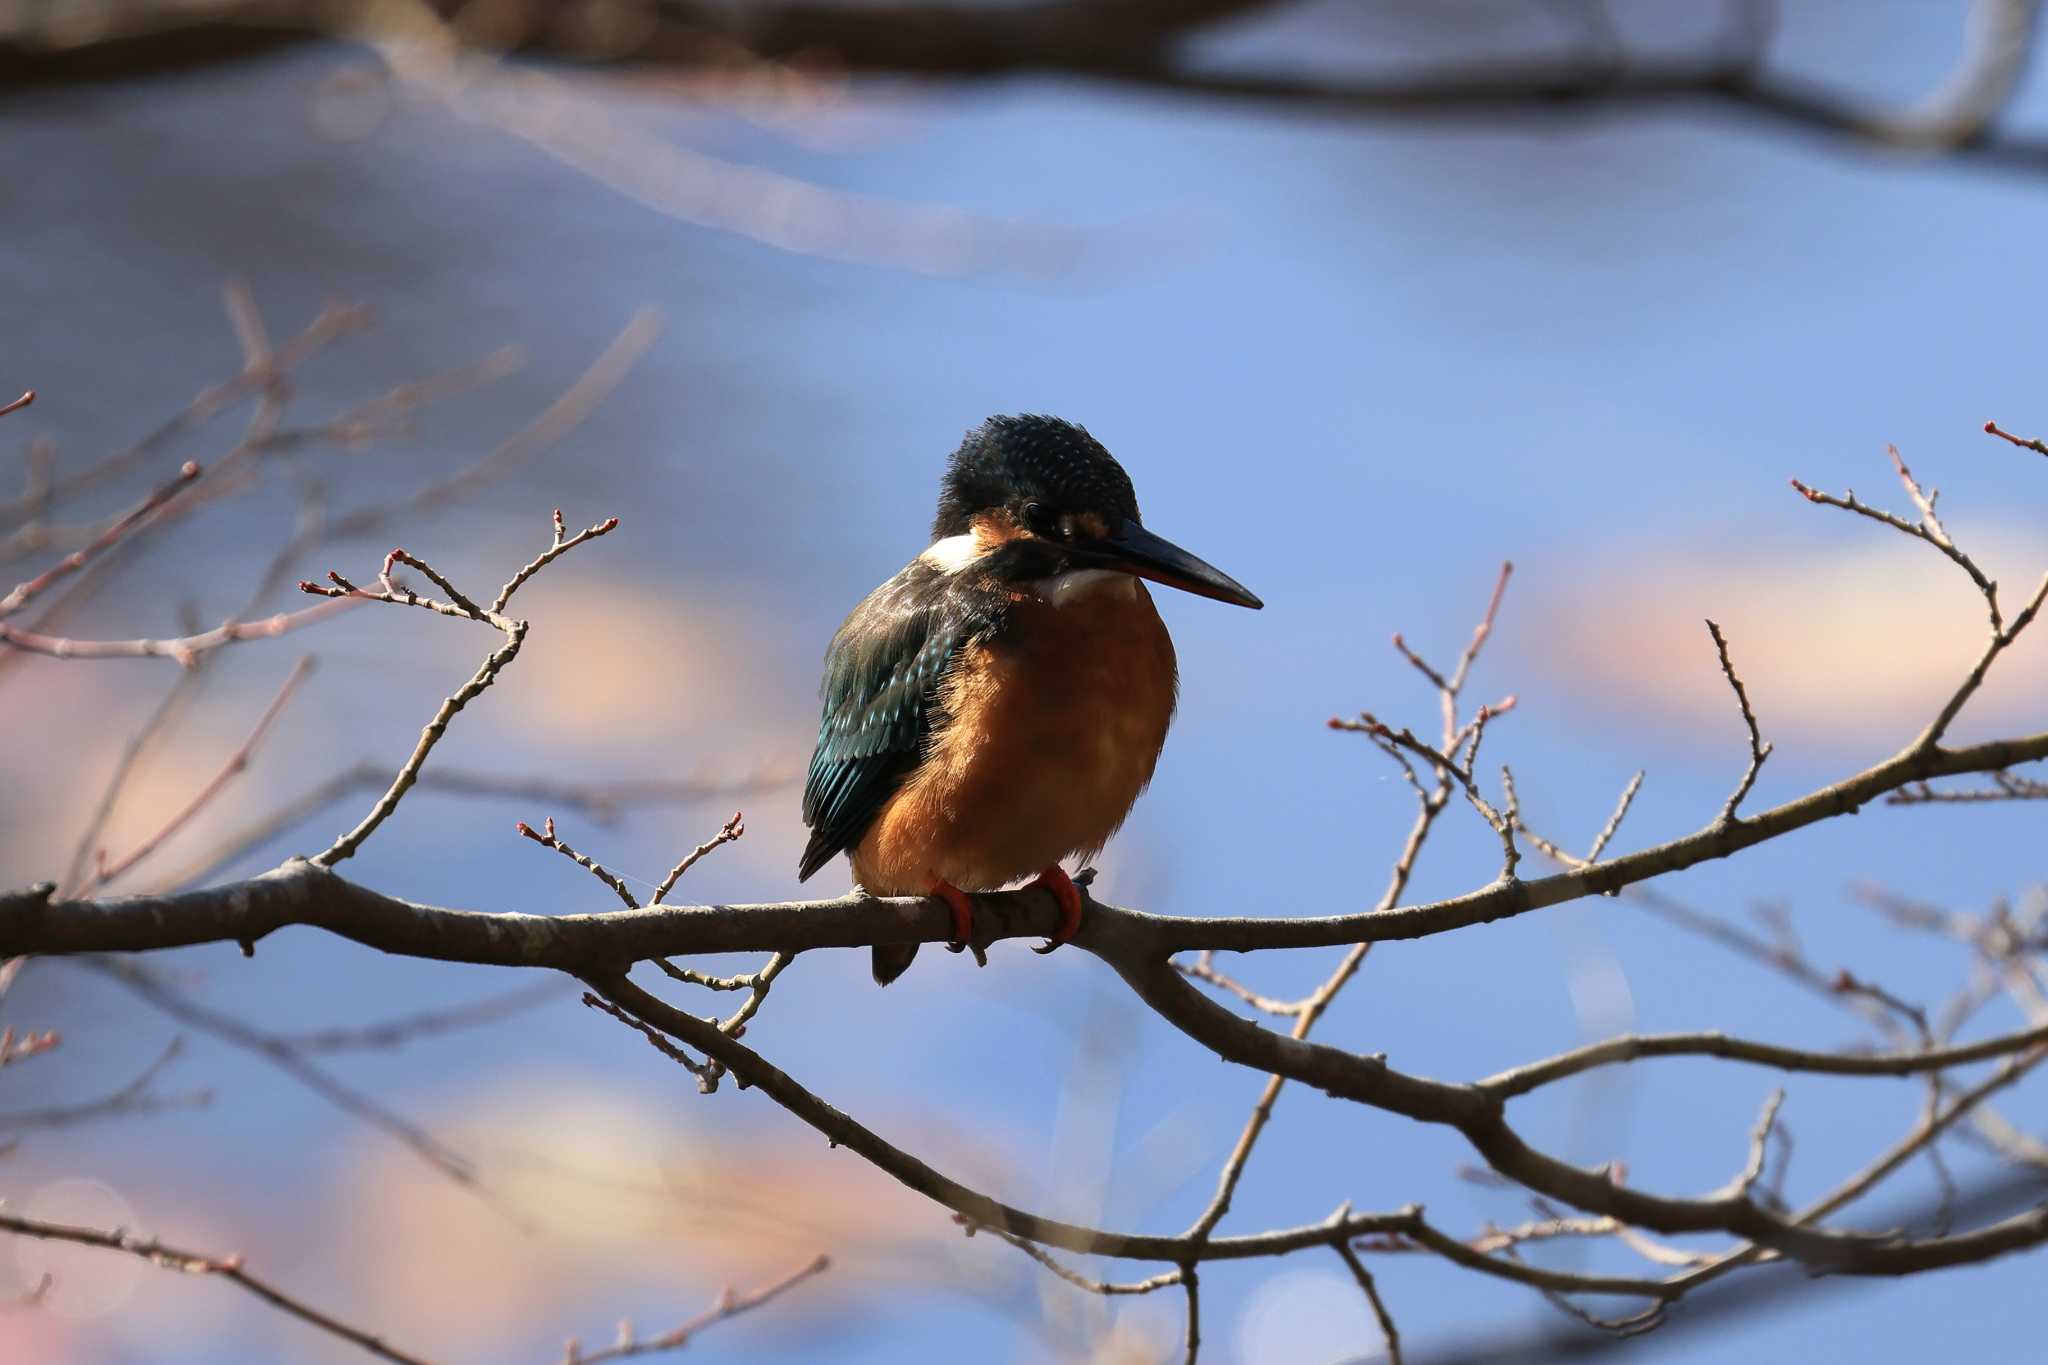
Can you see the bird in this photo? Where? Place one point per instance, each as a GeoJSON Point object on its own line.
{"type": "Point", "coordinates": [995, 708]}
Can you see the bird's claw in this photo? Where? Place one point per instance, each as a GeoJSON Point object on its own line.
{"type": "Point", "coordinates": [963, 919]}
{"type": "Point", "coordinates": [1055, 880]}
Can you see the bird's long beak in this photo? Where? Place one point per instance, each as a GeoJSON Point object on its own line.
{"type": "Point", "coordinates": [1132, 549]}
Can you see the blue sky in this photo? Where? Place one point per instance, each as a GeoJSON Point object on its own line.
{"type": "Point", "coordinates": [1354, 364]}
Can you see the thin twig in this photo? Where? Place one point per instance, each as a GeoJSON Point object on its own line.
{"type": "Point", "coordinates": [286, 1058]}
{"type": "Point", "coordinates": [2023, 442]}
{"type": "Point", "coordinates": [139, 515]}
{"type": "Point", "coordinates": [183, 649]}
{"type": "Point", "coordinates": [1530, 1076]}
{"type": "Point", "coordinates": [2000, 641]}
{"type": "Point", "coordinates": [197, 1263]}
{"type": "Point", "coordinates": [565, 414]}
{"type": "Point", "coordinates": [1445, 761]}
{"type": "Point", "coordinates": [132, 1098]}
{"type": "Point", "coordinates": [1203, 968]}
{"type": "Point", "coordinates": [2005, 787]}
{"type": "Point", "coordinates": [335, 320]}
{"type": "Point", "coordinates": [731, 830]}
{"type": "Point", "coordinates": [690, 976]}
{"type": "Point", "coordinates": [1926, 529]}
{"type": "Point", "coordinates": [728, 1305]}
{"type": "Point", "coordinates": [457, 604]}
{"type": "Point", "coordinates": [1372, 1295]}
{"type": "Point", "coordinates": [389, 414]}
{"type": "Point", "coordinates": [1429, 805]}
{"type": "Point", "coordinates": [601, 801]}
{"type": "Point", "coordinates": [1106, 1288]}
{"type": "Point", "coordinates": [486, 674]}
{"type": "Point", "coordinates": [175, 698]}
{"type": "Point", "coordinates": [548, 556]}
{"type": "Point", "coordinates": [408, 1028]}
{"type": "Point", "coordinates": [707, 1073]}
{"type": "Point", "coordinates": [1758, 750]}
{"type": "Point", "coordinates": [549, 840]}
{"type": "Point", "coordinates": [30, 1044]}
{"type": "Point", "coordinates": [1759, 1144]}
{"type": "Point", "coordinates": [1613, 825]}
{"type": "Point", "coordinates": [757, 988]}
{"type": "Point", "coordinates": [237, 762]}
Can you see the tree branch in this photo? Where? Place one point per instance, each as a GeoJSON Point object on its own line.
{"type": "Point", "coordinates": [299, 892]}
{"type": "Point", "coordinates": [197, 1263]}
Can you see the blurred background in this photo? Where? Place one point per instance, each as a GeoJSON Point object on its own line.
{"type": "Point", "coordinates": [1367, 297]}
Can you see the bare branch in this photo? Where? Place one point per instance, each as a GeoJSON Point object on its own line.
{"type": "Point", "coordinates": [335, 320]}
{"type": "Point", "coordinates": [486, 674]}
{"type": "Point", "coordinates": [1632, 1047]}
{"type": "Point", "coordinates": [457, 604]}
{"type": "Point", "coordinates": [1372, 1295]}
{"type": "Point", "coordinates": [1927, 528]}
{"type": "Point", "coordinates": [2000, 641]}
{"type": "Point", "coordinates": [175, 698]}
{"type": "Point", "coordinates": [549, 840]}
{"type": "Point", "coordinates": [1446, 762]}
{"type": "Point", "coordinates": [1203, 968]}
{"type": "Point", "coordinates": [1553, 1226]}
{"type": "Point", "coordinates": [31, 1044]}
{"type": "Point", "coordinates": [1481, 633]}
{"type": "Point", "coordinates": [140, 515]}
{"type": "Point", "coordinates": [390, 414]}
{"type": "Point", "coordinates": [285, 1057]}
{"type": "Point", "coordinates": [2005, 787]}
{"type": "Point", "coordinates": [108, 873]}
{"type": "Point", "coordinates": [731, 830]}
{"type": "Point", "coordinates": [183, 649]}
{"type": "Point", "coordinates": [707, 1074]}
{"type": "Point", "coordinates": [550, 555]}
{"type": "Point", "coordinates": [757, 986]}
{"type": "Point", "coordinates": [601, 801]}
{"type": "Point", "coordinates": [728, 1305]}
{"type": "Point", "coordinates": [560, 417]}
{"type": "Point", "coordinates": [977, 1208]}
{"type": "Point", "coordinates": [1759, 1144]}
{"type": "Point", "coordinates": [197, 1263]}
{"type": "Point", "coordinates": [1758, 750]}
{"type": "Point", "coordinates": [600, 949]}
{"type": "Point", "coordinates": [1613, 825]}
{"type": "Point", "coordinates": [392, 1033]}
{"type": "Point", "coordinates": [1436, 679]}
{"type": "Point", "coordinates": [2023, 442]}
{"type": "Point", "coordinates": [1107, 1288]}
{"type": "Point", "coordinates": [31, 921]}
{"type": "Point", "coordinates": [133, 1098]}
{"type": "Point", "coordinates": [1430, 805]}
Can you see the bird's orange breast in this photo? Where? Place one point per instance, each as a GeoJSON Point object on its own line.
{"type": "Point", "coordinates": [1046, 736]}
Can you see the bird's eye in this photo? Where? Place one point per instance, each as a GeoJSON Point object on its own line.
{"type": "Point", "coordinates": [1039, 520]}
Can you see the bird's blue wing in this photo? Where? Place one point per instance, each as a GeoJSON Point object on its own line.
{"type": "Point", "coordinates": [882, 676]}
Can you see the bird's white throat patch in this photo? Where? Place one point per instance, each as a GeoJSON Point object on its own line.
{"type": "Point", "coordinates": [952, 554]}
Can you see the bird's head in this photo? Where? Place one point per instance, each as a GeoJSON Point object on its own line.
{"type": "Point", "coordinates": [1033, 499]}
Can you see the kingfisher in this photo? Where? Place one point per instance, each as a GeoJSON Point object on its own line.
{"type": "Point", "coordinates": [996, 707]}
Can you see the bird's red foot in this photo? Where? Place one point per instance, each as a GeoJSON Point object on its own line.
{"type": "Point", "coordinates": [963, 913]}
{"type": "Point", "coordinates": [1056, 880]}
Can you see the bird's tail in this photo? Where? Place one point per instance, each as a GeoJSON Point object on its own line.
{"type": "Point", "coordinates": [892, 960]}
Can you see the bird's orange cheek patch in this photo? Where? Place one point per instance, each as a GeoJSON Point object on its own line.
{"type": "Point", "coordinates": [995, 528]}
